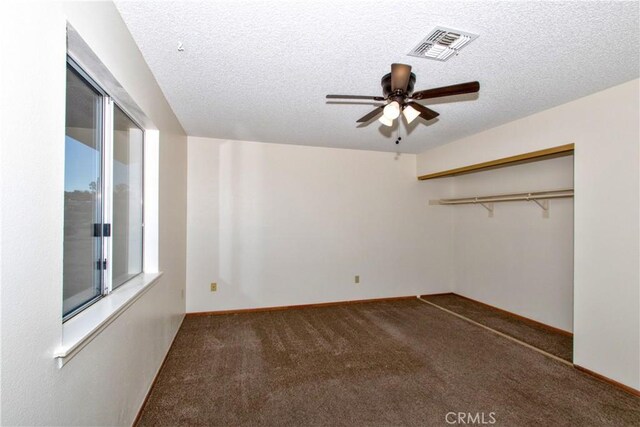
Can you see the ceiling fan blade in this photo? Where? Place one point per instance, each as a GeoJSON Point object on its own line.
{"type": "Point", "coordinates": [425, 113]}
{"type": "Point", "coordinates": [375, 98]}
{"type": "Point", "coordinates": [370, 115]}
{"type": "Point", "coordinates": [400, 75]}
{"type": "Point", "coordinates": [438, 92]}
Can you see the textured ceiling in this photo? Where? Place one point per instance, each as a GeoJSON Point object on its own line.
{"type": "Point", "coordinates": [259, 71]}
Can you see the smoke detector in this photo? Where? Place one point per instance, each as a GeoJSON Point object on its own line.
{"type": "Point", "coordinates": [442, 43]}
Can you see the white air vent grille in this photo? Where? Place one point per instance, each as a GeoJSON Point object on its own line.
{"type": "Point", "coordinates": [442, 43]}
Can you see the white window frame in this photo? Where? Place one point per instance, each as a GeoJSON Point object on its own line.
{"type": "Point", "coordinates": [106, 188]}
{"type": "Point", "coordinates": [79, 330]}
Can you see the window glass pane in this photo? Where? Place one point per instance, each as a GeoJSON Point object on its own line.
{"type": "Point", "coordinates": [82, 202]}
{"type": "Point", "coordinates": [127, 198]}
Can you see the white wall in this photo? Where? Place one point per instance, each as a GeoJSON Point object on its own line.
{"type": "Point", "coordinates": [281, 225]}
{"type": "Point", "coordinates": [605, 129]}
{"type": "Point", "coordinates": [517, 260]}
{"type": "Point", "coordinates": [107, 381]}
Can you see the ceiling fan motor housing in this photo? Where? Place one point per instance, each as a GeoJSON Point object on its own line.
{"type": "Point", "coordinates": [386, 84]}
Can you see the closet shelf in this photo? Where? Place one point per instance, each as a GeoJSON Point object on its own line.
{"type": "Point", "coordinates": [534, 156]}
{"type": "Point", "coordinates": [541, 198]}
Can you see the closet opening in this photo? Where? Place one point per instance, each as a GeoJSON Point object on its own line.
{"type": "Point", "coordinates": [513, 250]}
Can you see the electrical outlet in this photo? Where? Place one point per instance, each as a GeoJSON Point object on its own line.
{"type": "Point", "coordinates": [356, 279]}
{"type": "Point", "coordinates": [181, 293]}
{"type": "Point", "coordinates": [214, 286]}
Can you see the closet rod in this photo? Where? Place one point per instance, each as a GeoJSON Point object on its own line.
{"type": "Point", "coordinates": [540, 195]}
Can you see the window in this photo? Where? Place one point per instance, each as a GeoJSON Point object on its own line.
{"type": "Point", "coordinates": [82, 184]}
{"type": "Point", "coordinates": [127, 198]}
{"type": "Point", "coordinates": [103, 193]}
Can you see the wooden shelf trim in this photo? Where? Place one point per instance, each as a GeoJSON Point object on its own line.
{"type": "Point", "coordinates": [548, 153]}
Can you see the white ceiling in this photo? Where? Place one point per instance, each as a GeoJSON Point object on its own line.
{"type": "Point", "coordinates": [260, 70]}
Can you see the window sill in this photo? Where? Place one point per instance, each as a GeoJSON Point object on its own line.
{"type": "Point", "coordinates": [78, 331]}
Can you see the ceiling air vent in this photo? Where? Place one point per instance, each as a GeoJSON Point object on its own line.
{"type": "Point", "coordinates": [442, 43]}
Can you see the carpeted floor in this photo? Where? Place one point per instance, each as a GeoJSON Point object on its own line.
{"type": "Point", "coordinates": [556, 343]}
{"type": "Point", "coordinates": [375, 364]}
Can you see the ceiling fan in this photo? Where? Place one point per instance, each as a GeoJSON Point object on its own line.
{"type": "Point", "coordinates": [397, 88]}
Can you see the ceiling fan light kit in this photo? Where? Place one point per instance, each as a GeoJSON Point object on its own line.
{"type": "Point", "coordinates": [410, 113]}
{"type": "Point", "coordinates": [385, 120]}
{"type": "Point", "coordinates": [392, 110]}
{"type": "Point", "coordinates": [397, 90]}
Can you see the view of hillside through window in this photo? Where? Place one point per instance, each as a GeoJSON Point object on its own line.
{"type": "Point", "coordinates": [82, 201]}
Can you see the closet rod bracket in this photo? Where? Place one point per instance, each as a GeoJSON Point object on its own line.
{"type": "Point", "coordinates": [544, 204]}
{"type": "Point", "coordinates": [488, 207]}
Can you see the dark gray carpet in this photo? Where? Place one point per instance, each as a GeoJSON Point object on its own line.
{"type": "Point", "coordinates": [556, 343]}
{"type": "Point", "coordinates": [376, 364]}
